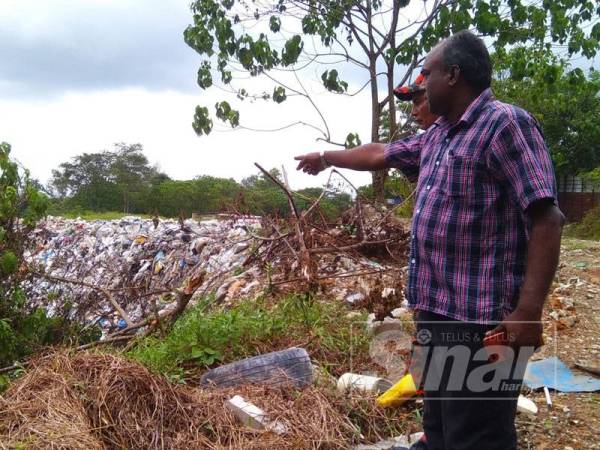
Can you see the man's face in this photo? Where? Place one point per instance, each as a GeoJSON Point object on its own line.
{"type": "Point", "coordinates": [420, 111]}
{"type": "Point", "coordinates": [437, 82]}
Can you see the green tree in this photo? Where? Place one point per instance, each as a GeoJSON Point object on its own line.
{"type": "Point", "coordinates": [107, 181]}
{"type": "Point", "coordinates": [278, 39]}
{"type": "Point", "coordinates": [262, 196]}
{"type": "Point", "coordinates": [333, 203]}
{"type": "Point", "coordinates": [22, 331]}
{"type": "Point", "coordinates": [565, 102]}
{"type": "Point", "coordinates": [131, 171]}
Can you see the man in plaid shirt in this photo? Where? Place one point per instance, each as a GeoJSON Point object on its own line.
{"type": "Point", "coordinates": [485, 237]}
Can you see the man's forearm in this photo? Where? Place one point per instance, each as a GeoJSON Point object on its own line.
{"type": "Point", "coordinates": [363, 157]}
{"type": "Point", "coordinates": [542, 258]}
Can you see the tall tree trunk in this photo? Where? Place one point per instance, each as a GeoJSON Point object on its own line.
{"type": "Point", "coordinates": [379, 176]}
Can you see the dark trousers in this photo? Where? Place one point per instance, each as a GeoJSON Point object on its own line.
{"type": "Point", "coordinates": [470, 411]}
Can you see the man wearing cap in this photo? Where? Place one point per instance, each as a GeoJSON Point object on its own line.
{"type": "Point", "coordinates": [486, 234]}
{"type": "Point", "coordinates": [416, 94]}
{"type": "Point", "coordinates": [371, 156]}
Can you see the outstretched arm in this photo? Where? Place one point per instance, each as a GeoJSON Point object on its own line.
{"type": "Point", "coordinates": [363, 157]}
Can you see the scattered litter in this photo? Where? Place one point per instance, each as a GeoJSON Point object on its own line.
{"type": "Point", "coordinates": [131, 258]}
{"type": "Point", "coordinates": [376, 327]}
{"type": "Point", "coordinates": [397, 443]}
{"type": "Point", "coordinates": [554, 374]}
{"type": "Point", "coordinates": [92, 401]}
{"type": "Point", "coordinates": [548, 399]}
{"type": "Point", "coordinates": [252, 416]}
{"type": "Point", "coordinates": [399, 393]}
{"type": "Point", "coordinates": [352, 298]}
{"type": "Point", "coordinates": [399, 312]}
{"type": "Point", "coordinates": [79, 264]}
{"type": "Point", "coordinates": [365, 383]}
{"type": "Point", "coordinates": [286, 366]}
{"type": "Point", "coordinates": [526, 406]}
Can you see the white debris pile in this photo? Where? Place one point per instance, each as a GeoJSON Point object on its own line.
{"type": "Point", "coordinates": [119, 272]}
{"type": "Point", "coordinates": [132, 258]}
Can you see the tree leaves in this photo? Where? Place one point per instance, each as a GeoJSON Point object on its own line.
{"type": "Point", "coordinates": [247, 36]}
{"type": "Point", "coordinates": [564, 101]}
{"type": "Point", "coordinates": [352, 140]}
{"type": "Point", "coordinates": [8, 262]}
{"type": "Point", "coordinates": [332, 82]}
{"type": "Point", "coordinates": [279, 94]}
{"type": "Point", "coordinates": [204, 75]}
{"type": "Point", "coordinates": [202, 122]}
{"type": "Point", "coordinates": [274, 24]}
{"type": "Point", "coordinates": [226, 114]}
{"type": "Point", "coordinates": [293, 48]}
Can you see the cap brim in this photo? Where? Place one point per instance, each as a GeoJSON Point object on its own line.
{"type": "Point", "coordinates": [404, 96]}
{"type": "Point", "coordinates": [409, 95]}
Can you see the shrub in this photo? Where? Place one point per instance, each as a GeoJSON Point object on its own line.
{"type": "Point", "coordinates": [588, 227]}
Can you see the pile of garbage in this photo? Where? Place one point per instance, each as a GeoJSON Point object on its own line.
{"type": "Point", "coordinates": [131, 258]}
{"type": "Point", "coordinates": [100, 271]}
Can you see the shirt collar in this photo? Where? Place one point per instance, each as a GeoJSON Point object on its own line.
{"type": "Point", "coordinates": [472, 111]}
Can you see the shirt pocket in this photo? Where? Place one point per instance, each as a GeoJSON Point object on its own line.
{"type": "Point", "coordinates": [460, 176]}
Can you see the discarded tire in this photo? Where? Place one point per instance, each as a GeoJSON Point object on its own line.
{"type": "Point", "coordinates": [287, 366]}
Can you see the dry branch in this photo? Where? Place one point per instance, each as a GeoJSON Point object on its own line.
{"type": "Point", "coordinates": [104, 291]}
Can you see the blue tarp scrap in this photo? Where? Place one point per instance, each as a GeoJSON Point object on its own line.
{"type": "Point", "coordinates": [554, 374]}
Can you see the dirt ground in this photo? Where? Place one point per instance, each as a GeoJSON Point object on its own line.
{"type": "Point", "coordinates": [572, 333]}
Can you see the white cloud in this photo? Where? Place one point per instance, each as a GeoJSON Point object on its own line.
{"type": "Point", "coordinates": [44, 134]}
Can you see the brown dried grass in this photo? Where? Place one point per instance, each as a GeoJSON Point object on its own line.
{"type": "Point", "coordinates": [101, 401]}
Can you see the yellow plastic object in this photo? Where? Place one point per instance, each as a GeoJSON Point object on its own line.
{"type": "Point", "coordinates": [400, 392]}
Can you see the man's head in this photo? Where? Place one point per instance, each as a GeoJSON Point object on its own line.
{"type": "Point", "coordinates": [459, 66]}
{"type": "Point", "coordinates": [420, 111]}
{"type": "Point", "coordinates": [416, 94]}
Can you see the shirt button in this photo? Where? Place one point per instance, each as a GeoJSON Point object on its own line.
{"type": "Point", "coordinates": [447, 140]}
{"type": "Point", "coordinates": [437, 163]}
{"type": "Point", "coordinates": [418, 210]}
{"type": "Point", "coordinates": [413, 260]}
{"type": "Point", "coordinates": [428, 186]}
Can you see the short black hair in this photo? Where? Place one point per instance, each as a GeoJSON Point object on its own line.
{"type": "Point", "coordinates": [470, 54]}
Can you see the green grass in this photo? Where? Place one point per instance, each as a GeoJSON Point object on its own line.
{"type": "Point", "coordinates": [587, 228]}
{"type": "Point", "coordinates": [570, 243]}
{"type": "Point", "coordinates": [205, 338]}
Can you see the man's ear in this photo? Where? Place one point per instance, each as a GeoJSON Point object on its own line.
{"type": "Point", "coordinates": [453, 75]}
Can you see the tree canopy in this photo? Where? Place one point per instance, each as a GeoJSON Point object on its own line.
{"type": "Point", "coordinates": [124, 180]}
{"type": "Point", "coordinates": [107, 181]}
{"type": "Point", "coordinates": [384, 41]}
{"type": "Point", "coordinates": [564, 100]}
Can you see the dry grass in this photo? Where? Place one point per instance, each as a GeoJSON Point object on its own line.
{"type": "Point", "coordinates": [101, 401]}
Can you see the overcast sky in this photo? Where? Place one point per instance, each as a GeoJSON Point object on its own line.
{"type": "Point", "coordinates": [79, 76]}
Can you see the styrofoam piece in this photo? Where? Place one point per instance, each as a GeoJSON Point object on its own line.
{"type": "Point", "coordinates": [252, 416]}
{"type": "Point", "coordinates": [399, 312]}
{"type": "Point", "coordinates": [356, 297]}
{"type": "Point", "coordinates": [364, 383]}
{"type": "Point", "coordinates": [526, 406]}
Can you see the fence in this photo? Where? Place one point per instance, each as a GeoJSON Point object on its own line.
{"type": "Point", "coordinates": [576, 196]}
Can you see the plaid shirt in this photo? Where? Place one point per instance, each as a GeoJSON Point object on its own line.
{"type": "Point", "coordinates": [469, 234]}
